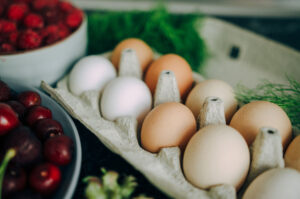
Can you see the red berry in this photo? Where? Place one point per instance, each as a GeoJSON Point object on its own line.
{"type": "Point", "coordinates": [40, 4]}
{"type": "Point", "coordinates": [17, 11]}
{"type": "Point", "coordinates": [34, 21]}
{"type": "Point", "coordinates": [52, 15]}
{"type": "Point", "coordinates": [73, 19]}
{"type": "Point", "coordinates": [29, 98]}
{"type": "Point", "coordinates": [7, 48]}
{"type": "Point", "coordinates": [7, 26]}
{"type": "Point", "coordinates": [47, 128]}
{"type": "Point", "coordinates": [45, 178]}
{"type": "Point", "coordinates": [29, 39]}
{"type": "Point", "coordinates": [64, 31]}
{"type": "Point", "coordinates": [59, 150]}
{"type": "Point", "coordinates": [36, 113]}
{"type": "Point", "coordinates": [65, 6]}
{"type": "Point", "coordinates": [8, 119]}
{"type": "Point", "coordinates": [13, 37]}
{"type": "Point", "coordinates": [48, 30]}
{"type": "Point", "coordinates": [4, 91]}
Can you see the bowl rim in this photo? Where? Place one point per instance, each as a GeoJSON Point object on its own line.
{"type": "Point", "coordinates": [77, 168]}
{"type": "Point", "coordinates": [82, 25]}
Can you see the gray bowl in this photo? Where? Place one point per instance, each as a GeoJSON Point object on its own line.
{"type": "Point", "coordinates": [70, 173]}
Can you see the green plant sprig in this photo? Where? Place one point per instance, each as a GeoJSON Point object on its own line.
{"type": "Point", "coordinates": [164, 32]}
{"type": "Point", "coordinates": [287, 96]}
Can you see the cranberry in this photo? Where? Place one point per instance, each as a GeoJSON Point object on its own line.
{"type": "Point", "coordinates": [59, 150]}
{"type": "Point", "coordinates": [45, 178]}
{"type": "Point", "coordinates": [36, 113]}
{"type": "Point", "coordinates": [8, 119]}
{"type": "Point", "coordinates": [4, 91]}
{"type": "Point", "coordinates": [29, 98]}
{"type": "Point", "coordinates": [28, 147]}
{"type": "Point", "coordinates": [17, 107]}
{"type": "Point", "coordinates": [47, 128]}
{"type": "Point", "coordinates": [14, 180]}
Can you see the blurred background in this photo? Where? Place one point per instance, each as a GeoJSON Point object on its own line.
{"type": "Point", "coordinates": [263, 8]}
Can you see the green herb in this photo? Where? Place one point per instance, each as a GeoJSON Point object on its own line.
{"type": "Point", "coordinates": [164, 32]}
{"type": "Point", "coordinates": [8, 156]}
{"type": "Point", "coordinates": [286, 96]}
{"type": "Point", "coordinates": [107, 187]}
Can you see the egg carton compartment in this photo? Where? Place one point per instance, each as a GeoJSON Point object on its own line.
{"type": "Point", "coordinates": [164, 168]}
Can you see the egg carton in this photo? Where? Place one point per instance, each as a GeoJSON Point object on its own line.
{"type": "Point", "coordinates": [164, 168]}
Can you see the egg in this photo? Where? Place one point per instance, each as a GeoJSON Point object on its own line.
{"type": "Point", "coordinates": [143, 51]}
{"type": "Point", "coordinates": [292, 154]}
{"type": "Point", "coordinates": [216, 88]}
{"type": "Point", "coordinates": [126, 96]}
{"type": "Point", "coordinates": [216, 154]}
{"type": "Point", "coordinates": [279, 183]}
{"type": "Point", "coordinates": [90, 73]}
{"type": "Point", "coordinates": [176, 64]}
{"type": "Point", "coordinates": [257, 114]}
{"type": "Point", "coordinates": [167, 125]}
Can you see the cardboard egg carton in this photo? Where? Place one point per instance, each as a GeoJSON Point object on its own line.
{"type": "Point", "coordinates": [164, 168]}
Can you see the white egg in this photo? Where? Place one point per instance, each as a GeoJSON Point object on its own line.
{"type": "Point", "coordinates": [91, 73]}
{"type": "Point", "coordinates": [277, 183]}
{"type": "Point", "coordinates": [126, 96]}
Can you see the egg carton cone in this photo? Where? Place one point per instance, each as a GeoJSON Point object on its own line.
{"type": "Point", "coordinates": [164, 168]}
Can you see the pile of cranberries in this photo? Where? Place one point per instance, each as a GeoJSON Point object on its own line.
{"type": "Point", "coordinates": [30, 24]}
{"type": "Point", "coordinates": [39, 141]}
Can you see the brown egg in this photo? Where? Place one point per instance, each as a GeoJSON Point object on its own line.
{"type": "Point", "coordinates": [257, 114]}
{"type": "Point", "coordinates": [216, 88]}
{"type": "Point", "coordinates": [168, 125]}
{"type": "Point", "coordinates": [143, 51]}
{"type": "Point", "coordinates": [292, 154]}
{"type": "Point", "coordinates": [175, 63]}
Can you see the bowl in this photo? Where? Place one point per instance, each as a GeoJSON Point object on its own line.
{"type": "Point", "coordinates": [70, 172]}
{"type": "Point", "coordinates": [48, 63]}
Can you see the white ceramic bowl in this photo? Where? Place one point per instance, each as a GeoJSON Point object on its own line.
{"type": "Point", "coordinates": [48, 63]}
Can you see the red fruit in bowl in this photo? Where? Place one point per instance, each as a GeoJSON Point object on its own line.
{"type": "Point", "coordinates": [59, 150]}
{"type": "Point", "coordinates": [14, 180]}
{"type": "Point", "coordinates": [4, 91]}
{"type": "Point", "coordinates": [13, 37]}
{"type": "Point", "coordinates": [7, 48]}
{"type": "Point", "coordinates": [17, 107]}
{"type": "Point", "coordinates": [28, 147]}
{"type": "Point", "coordinates": [7, 26]}
{"type": "Point", "coordinates": [52, 15]}
{"type": "Point", "coordinates": [65, 6]}
{"type": "Point", "coordinates": [34, 21]}
{"type": "Point", "coordinates": [29, 98]}
{"type": "Point", "coordinates": [74, 18]}
{"type": "Point", "coordinates": [45, 178]}
{"type": "Point", "coordinates": [40, 4]}
{"type": "Point", "coordinates": [29, 39]}
{"type": "Point", "coordinates": [17, 11]}
{"type": "Point", "coordinates": [8, 119]}
{"type": "Point", "coordinates": [36, 113]}
{"type": "Point", "coordinates": [47, 128]}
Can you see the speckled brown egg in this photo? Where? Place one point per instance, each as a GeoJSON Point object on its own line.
{"type": "Point", "coordinates": [175, 63]}
{"type": "Point", "coordinates": [257, 114]}
{"type": "Point", "coordinates": [292, 154]}
{"type": "Point", "coordinates": [143, 51]}
{"type": "Point", "coordinates": [167, 125]}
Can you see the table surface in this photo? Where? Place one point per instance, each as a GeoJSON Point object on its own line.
{"type": "Point", "coordinates": [95, 155]}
